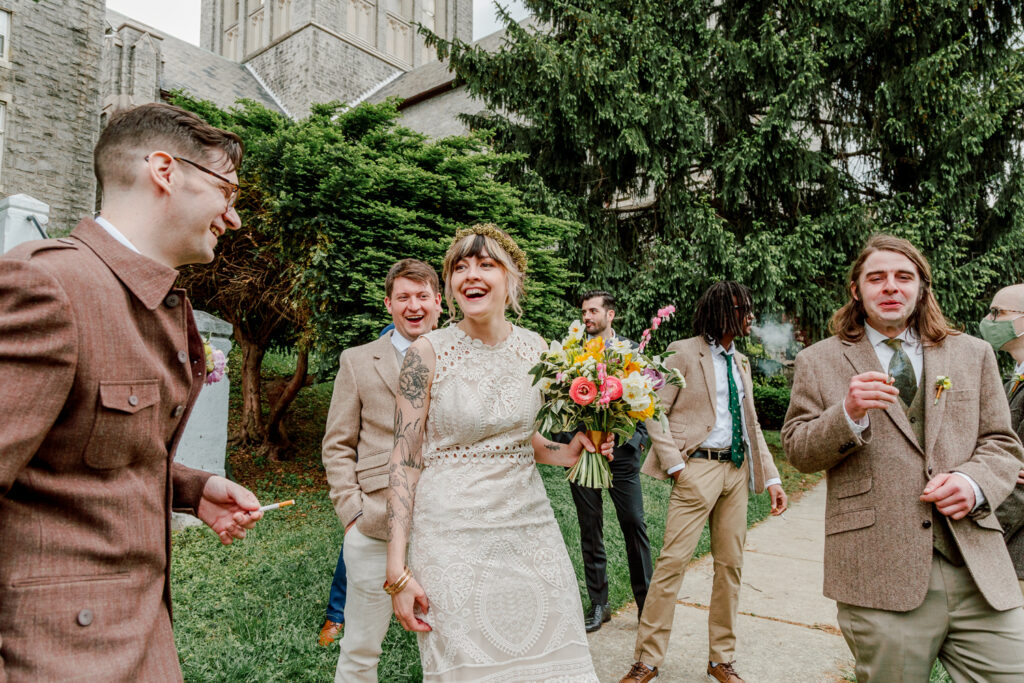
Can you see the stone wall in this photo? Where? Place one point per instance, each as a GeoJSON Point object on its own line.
{"type": "Point", "coordinates": [314, 66]}
{"type": "Point", "coordinates": [51, 88]}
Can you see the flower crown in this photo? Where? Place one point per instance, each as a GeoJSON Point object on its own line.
{"type": "Point", "coordinates": [501, 237]}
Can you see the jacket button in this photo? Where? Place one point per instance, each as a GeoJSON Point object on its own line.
{"type": "Point", "coordinates": [913, 420]}
{"type": "Point", "coordinates": [179, 411]}
{"type": "Point", "coordinates": [926, 524]}
{"type": "Point", "coordinates": [929, 471]}
{"type": "Point", "coordinates": [182, 357]}
{"type": "Point", "coordinates": [133, 400]}
{"type": "Point", "coordinates": [172, 300]}
{"type": "Point", "coordinates": [85, 617]}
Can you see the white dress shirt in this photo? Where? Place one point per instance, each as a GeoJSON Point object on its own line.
{"type": "Point", "coordinates": [115, 233]}
{"type": "Point", "coordinates": [915, 351]}
{"type": "Point", "coordinates": [721, 433]}
{"type": "Point", "coordinates": [1018, 368]}
{"type": "Point", "coordinates": [400, 343]}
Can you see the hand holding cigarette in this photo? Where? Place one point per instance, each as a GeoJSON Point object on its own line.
{"type": "Point", "coordinates": [870, 391]}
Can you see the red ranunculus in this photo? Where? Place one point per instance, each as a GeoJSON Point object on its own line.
{"type": "Point", "coordinates": [611, 389]}
{"type": "Point", "coordinates": [583, 391]}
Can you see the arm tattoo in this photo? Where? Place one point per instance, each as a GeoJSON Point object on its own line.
{"type": "Point", "coordinates": [409, 441]}
{"type": "Point", "coordinates": [412, 383]}
{"type": "Point", "coordinates": [400, 501]}
{"type": "Point", "coordinates": [553, 447]}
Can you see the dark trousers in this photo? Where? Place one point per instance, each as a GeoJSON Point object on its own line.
{"type": "Point", "coordinates": [336, 600]}
{"type": "Point", "coordinates": [629, 508]}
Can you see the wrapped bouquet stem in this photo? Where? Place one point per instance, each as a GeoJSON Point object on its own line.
{"type": "Point", "coordinates": [602, 387]}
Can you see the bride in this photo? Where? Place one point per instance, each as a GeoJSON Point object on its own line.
{"type": "Point", "coordinates": [489, 585]}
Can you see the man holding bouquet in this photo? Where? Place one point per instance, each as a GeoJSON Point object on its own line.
{"type": "Point", "coordinates": [598, 311]}
{"type": "Point", "coordinates": [716, 453]}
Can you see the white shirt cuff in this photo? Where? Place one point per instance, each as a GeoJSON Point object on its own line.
{"type": "Point", "coordinates": [979, 497]}
{"type": "Point", "coordinates": [675, 468]}
{"type": "Point", "coordinates": [773, 482]}
{"type": "Point", "coordinates": [856, 426]}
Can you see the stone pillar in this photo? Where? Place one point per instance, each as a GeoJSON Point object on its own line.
{"type": "Point", "coordinates": [16, 226]}
{"type": "Point", "coordinates": [204, 443]}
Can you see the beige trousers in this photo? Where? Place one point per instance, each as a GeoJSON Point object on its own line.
{"type": "Point", "coordinates": [707, 491]}
{"type": "Point", "coordinates": [367, 608]}
{"type": "Point", "coordinates": [954, 623]}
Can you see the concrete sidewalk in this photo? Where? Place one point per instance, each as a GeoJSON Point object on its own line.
{"type": "Point", "coordinates": [787, 631]}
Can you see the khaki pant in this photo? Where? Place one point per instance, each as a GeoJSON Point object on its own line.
{"type": "Point", "coordinates": [707, 491]}
{"type": "Point", "coordinates": [367, 609]}
{"type": "Point", "coordinates": [954, 623]}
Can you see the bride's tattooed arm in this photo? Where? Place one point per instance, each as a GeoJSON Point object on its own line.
{"type": "Point", "coordinates": [412, 402]}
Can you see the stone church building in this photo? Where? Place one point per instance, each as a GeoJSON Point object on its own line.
{"type": "Point", "coordinates": [66, 66]}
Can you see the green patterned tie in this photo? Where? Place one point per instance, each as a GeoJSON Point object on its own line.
{"type": "Point", "coordinates": [902, 371]}
{"type": "Point", "coordinates": [736, 450]}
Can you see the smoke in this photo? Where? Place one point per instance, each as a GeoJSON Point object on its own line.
{"type": "Point", "coordinates": [778, 340]}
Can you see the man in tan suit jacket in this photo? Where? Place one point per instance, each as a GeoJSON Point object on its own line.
{"type": "Point", "coordinates": [908, 419]}
{"type": "Point", "coordinates": [356, 450]}
{"type": "Point", "coordinates": [716, 453]}
{"type": "Point", "coordinates": [101, 362]}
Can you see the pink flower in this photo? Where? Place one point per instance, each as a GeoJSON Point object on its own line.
{"type": "Point", "coordinates": [583, 391]}
{"type": "Point", "coordinates": [611, 389]}
{"type": "Point", "coordinates": [657, 379]}
{"type": "Point", "coordinates": [655, 322]}
{"type": "Point", "coordinates": [219, 365]}
{"type": "Point", "coordinates": [559, 376]}
{"type": "Point", "coordinates": [601, 372]}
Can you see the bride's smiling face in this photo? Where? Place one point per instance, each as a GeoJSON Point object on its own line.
{"type": "Point", "coordinates": [480, 286]}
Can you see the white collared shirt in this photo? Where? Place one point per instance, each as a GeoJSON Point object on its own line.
{"type": "Point", "coordinates": [721, 433]}
{"type": "Point", "coordinates": [915, 351]}
{"type": "Point", "coordinates": [1018, 368]}
{"type": "Point", "coordinates": [115, 233]}
{"type": "Point", "coordinates": [400, 343]}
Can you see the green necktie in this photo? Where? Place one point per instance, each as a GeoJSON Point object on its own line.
{"type": "Point", "coordinates": [902, 371]}
{"type": "Point", "coordinates": [736, 450]}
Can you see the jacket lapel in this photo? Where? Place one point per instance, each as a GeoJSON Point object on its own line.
{"type": "Point", "coordinates": [936, 362]}
{"type": "Point", "coordinates": [707, 366]}
{"type": "Point", "coordinates": [385, 362]}
{"type": "Point", "coordinates": [864, 359]}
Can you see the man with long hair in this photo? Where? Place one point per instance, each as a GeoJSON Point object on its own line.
{"type": "Point", "coordinates": [715, 452]}
{"type": "Point", "coordinates": [907, 417]}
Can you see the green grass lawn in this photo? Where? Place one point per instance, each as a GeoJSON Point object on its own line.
{"type": "Point", "coordinates": [252, 611]}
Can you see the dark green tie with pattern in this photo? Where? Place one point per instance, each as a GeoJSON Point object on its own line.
{"type": "Point", "coordinates": [736, 450]}
{"type": "Point", "coordinates": [902, 371]}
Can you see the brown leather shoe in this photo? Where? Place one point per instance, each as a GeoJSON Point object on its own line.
{"type": "Point", "coordinates": [724, 673]}
{"type": "Point", "coordinates": [640, 673]}
{"type": "Point", "coordinates": [329, 632]}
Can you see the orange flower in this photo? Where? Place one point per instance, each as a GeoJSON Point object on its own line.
{"type": "Point", "coordinates": [643, 414]}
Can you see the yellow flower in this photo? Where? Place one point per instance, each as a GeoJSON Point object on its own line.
{"type": "Point", "coordinates": [642, 414]}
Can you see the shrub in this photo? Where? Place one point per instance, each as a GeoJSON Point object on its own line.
{"type": "Point", "coordinates": [771, 403]}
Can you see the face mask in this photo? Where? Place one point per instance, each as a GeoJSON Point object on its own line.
{"type": "Point", "coordinates": [998, 333]}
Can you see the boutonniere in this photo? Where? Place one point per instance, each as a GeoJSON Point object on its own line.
{"type": "Point", "coordinates": [942, 383]}
{"type": "Point", "coordinates": [216, 363]}
{"type": "Point", "coordinates": [1017, 381]}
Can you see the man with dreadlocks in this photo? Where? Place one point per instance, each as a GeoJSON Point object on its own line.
{"type": "Point", "coordinates": [716, 453]}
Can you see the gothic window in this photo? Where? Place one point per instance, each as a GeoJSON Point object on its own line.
{"type": "Point", "coordinates": [230, 12]}
{"type": "Point", "coordinates": [282, 17]}
{"type": "Point", "coordinates": [256, 41]}
{"type": "Point", "coordinates": [361, 20]}
{"type": "Point", "coordinates": [231, 43]}
{"type": "Point", "coordinates": [5, 34]}
{"type": "Point", "coordinates": [402, 8]}
{"type": "Point", "coordinates": [432, 17]}
{"type": "Point", "coordinates": [398, 39]}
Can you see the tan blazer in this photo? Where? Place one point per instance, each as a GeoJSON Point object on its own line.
{"type": "Point", "coordinates": [878, 540]}
{"type": "Point", "coordinates": [100, 363]}
{"type": "Point", "coordinates": [361, 434]}
{"type": "Point", "coordinates": [691, 414]}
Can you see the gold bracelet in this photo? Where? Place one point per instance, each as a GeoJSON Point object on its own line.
{"type": "Point", "coordinates": [398, 585]}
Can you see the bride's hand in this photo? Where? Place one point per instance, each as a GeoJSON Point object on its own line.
{"type": "Point", "coordinates": [585, 443]}
{"type": "Point", "coordinates": [404, 604]}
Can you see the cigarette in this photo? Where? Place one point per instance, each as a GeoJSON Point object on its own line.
{"type": "Point", "coordinates": [891, 380]}
{"type": "Point", "coordinates": [274, 506]}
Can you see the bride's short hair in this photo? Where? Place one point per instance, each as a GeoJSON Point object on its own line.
{"type": "Point", "coordinates": [489, 239]}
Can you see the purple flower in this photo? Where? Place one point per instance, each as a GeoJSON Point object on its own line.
{"type": "Point", "coordinates": [657, 379]}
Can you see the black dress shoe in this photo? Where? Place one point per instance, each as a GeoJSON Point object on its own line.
{"type": "Point", "coordinates": [598, 615]}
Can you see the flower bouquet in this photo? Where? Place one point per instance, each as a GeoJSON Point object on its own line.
{"type": "Point", "coordinates": [216, 363]}
{"type": "Point", "coordinates": [607, 387]}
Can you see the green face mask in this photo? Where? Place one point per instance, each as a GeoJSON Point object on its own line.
{"type": "Point", "coordinates": [998, 333]}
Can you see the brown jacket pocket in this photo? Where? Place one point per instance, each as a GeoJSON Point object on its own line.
{"type": "Point", "coordinates": [848, 521]}
{"type": "Point", "coordinates": [372, 471]}
{"type": "Point", "coordinates": [126, 423]}
{"type": "Point", "coordinates": [852, 488]}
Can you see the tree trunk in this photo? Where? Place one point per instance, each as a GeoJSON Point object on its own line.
{"type": "Point", "coordinates": [276, 443]}
{"type": "Point", "coordinates": [252, 428]}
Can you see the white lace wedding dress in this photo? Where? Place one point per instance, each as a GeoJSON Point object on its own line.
{"type": "Point", "coordinates": [504, 603]}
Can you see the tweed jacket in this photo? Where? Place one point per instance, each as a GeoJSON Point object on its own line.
{"type": "Point", "coordinates": [878, 536]}
{"type": "Point", "coordinates": [100, 362]}
{"type": "Point", "coordinates": [361, 434]}
{"type": "Point", "coordinates": [1011, 512]}
{"type": "Point", "coordinates": [691, 414]}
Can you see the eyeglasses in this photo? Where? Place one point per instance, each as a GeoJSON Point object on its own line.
{"type": "Point", "coordinates": [995, 312]}
{"type": "Point", "coordinates": [234, 186]}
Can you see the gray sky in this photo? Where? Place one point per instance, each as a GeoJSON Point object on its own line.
{"type": "Point", "coordinates": [181, 17]}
